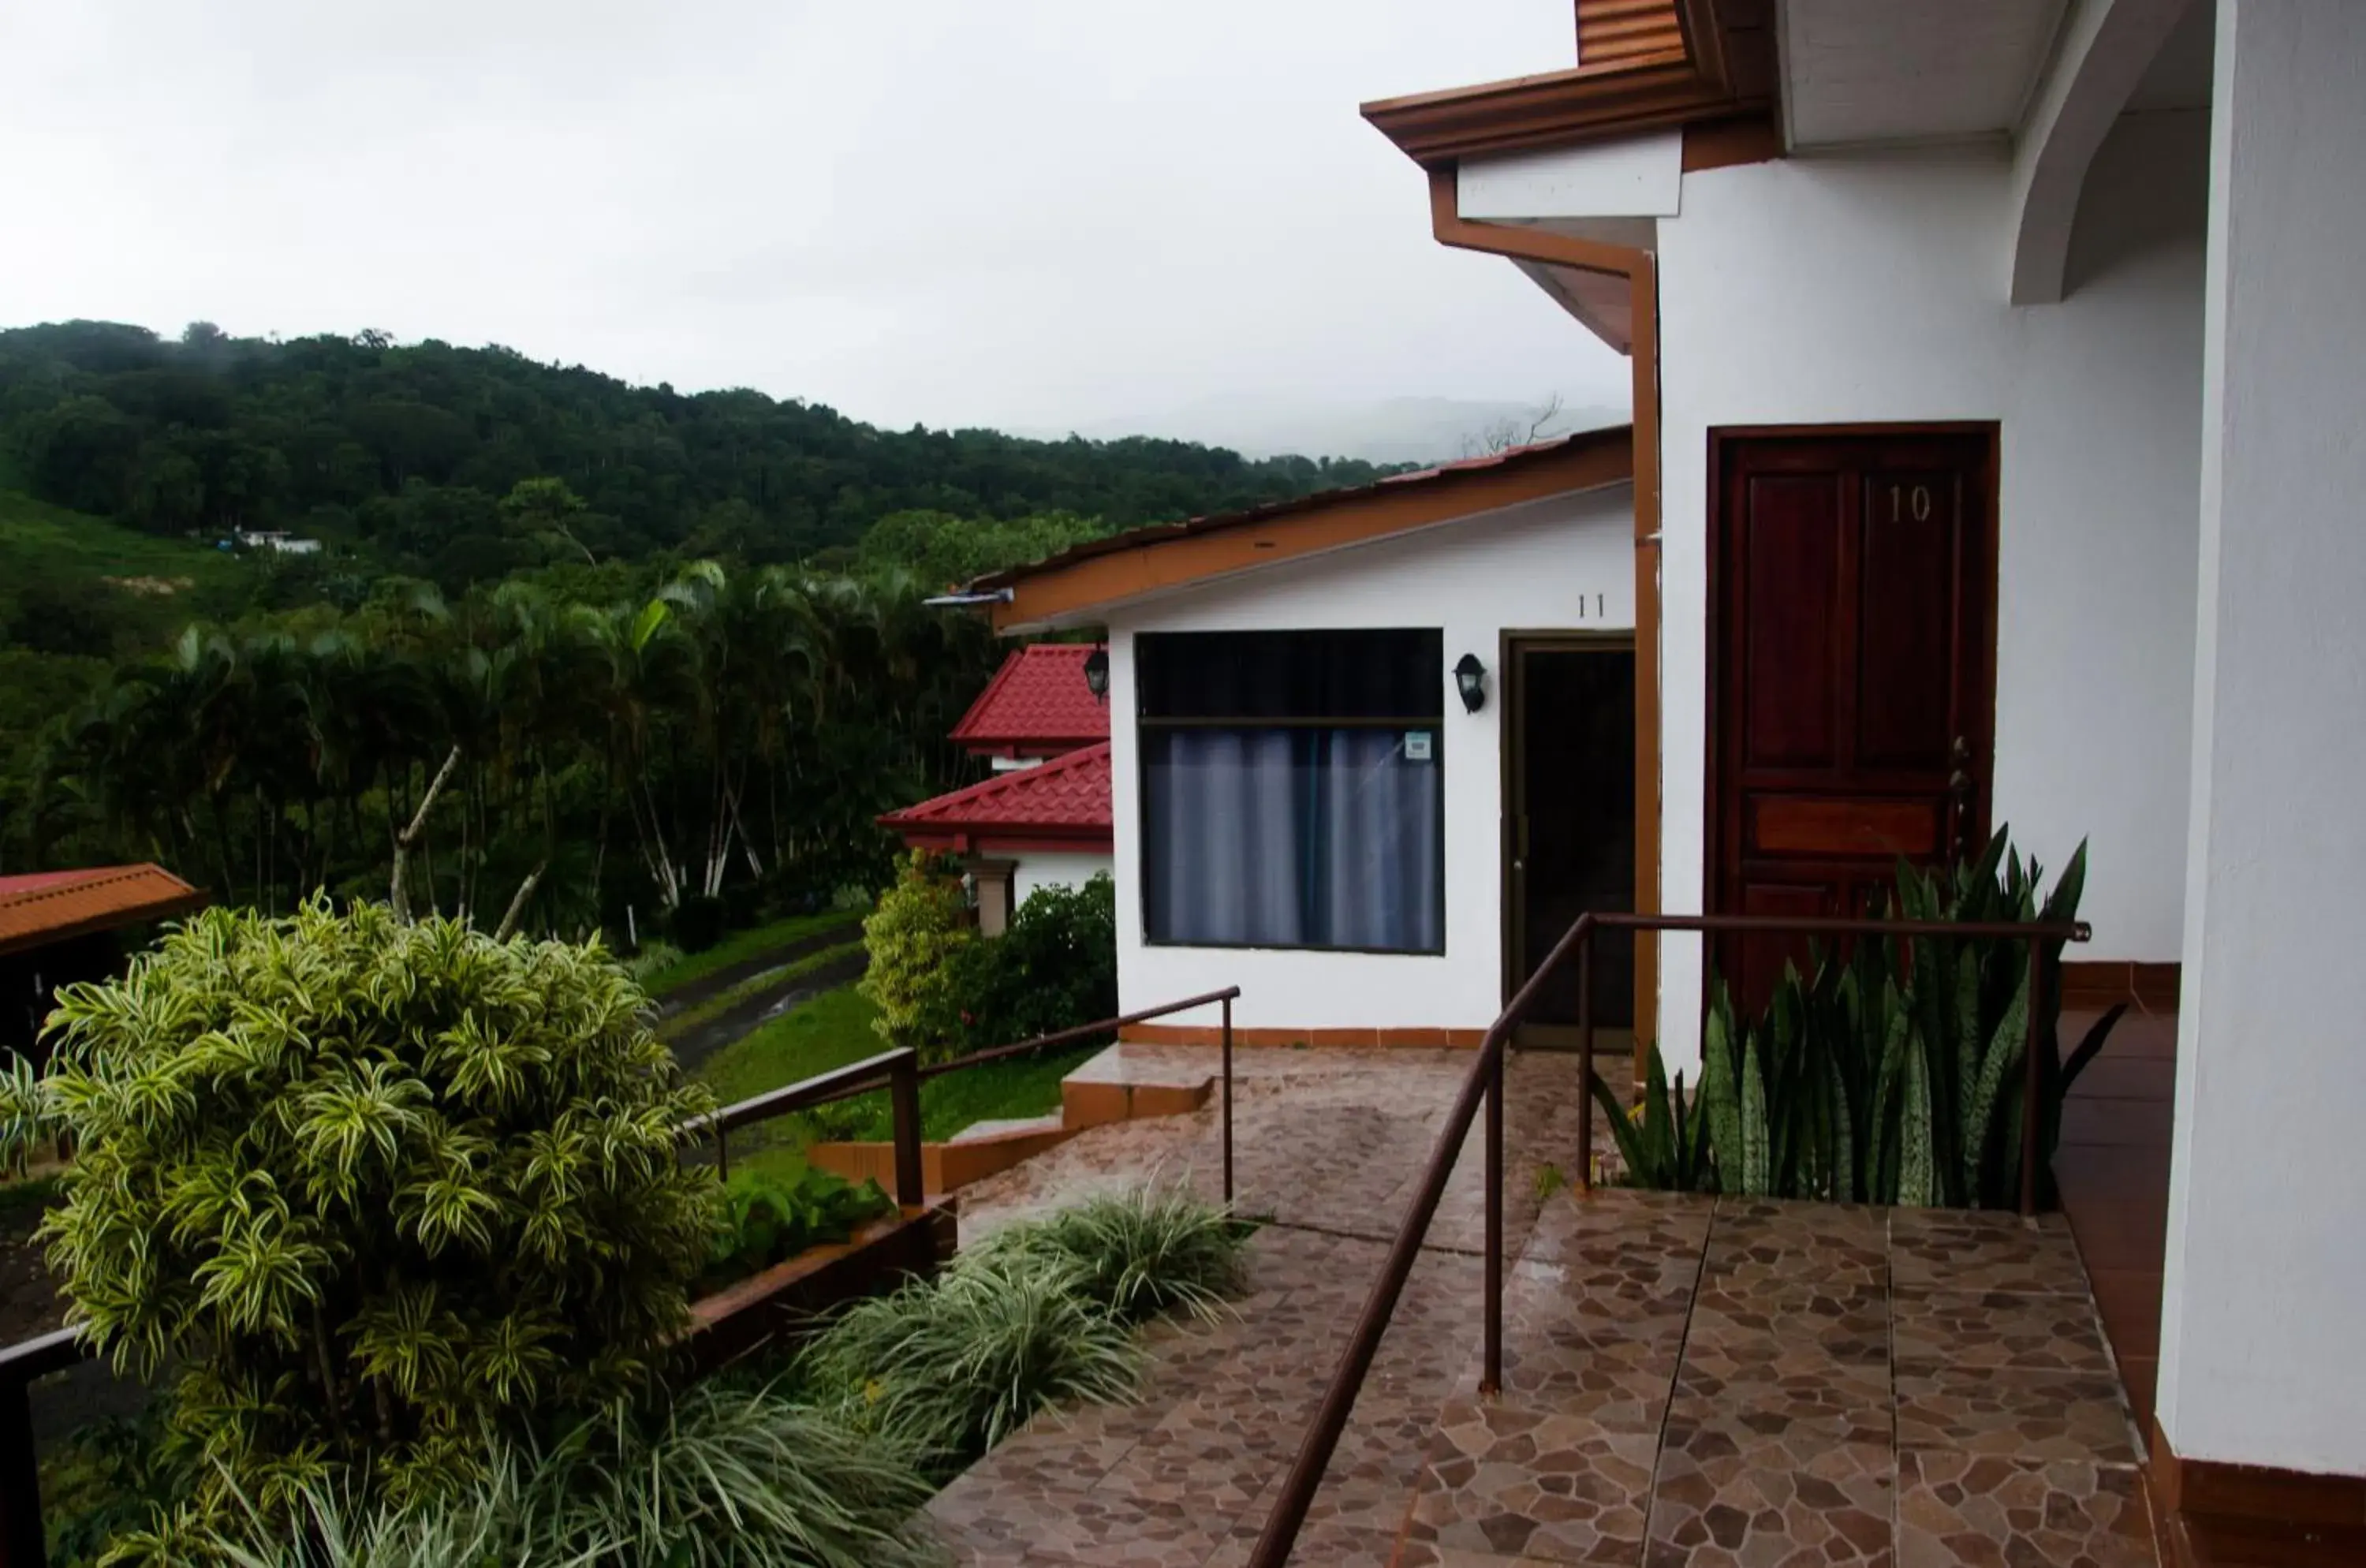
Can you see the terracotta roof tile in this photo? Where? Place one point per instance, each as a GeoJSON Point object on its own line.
{"type": "Point", "coordinates": [52, 906]}
{"type": "Point", "coordinates": [1065, 797]}
{"type": "Point", "coordinates": [1038, 699]}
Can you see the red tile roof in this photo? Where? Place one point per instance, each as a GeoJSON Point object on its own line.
{"type": "Point", "coordinates": [52, 906]}
{"type": "Point", "coordinates": [1036, 702]}
{"type": "Point", "coordinates": [1066, 799]}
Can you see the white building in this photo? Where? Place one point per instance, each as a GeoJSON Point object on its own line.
{"type": "Point", "coordinates": [1305, 805]}
{"type": "Point", "coordinates": [1996, 373]}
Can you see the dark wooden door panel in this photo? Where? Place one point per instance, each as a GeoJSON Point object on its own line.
{"type": "Point", "coordinates": [1852, 670]}
{"type": "Point", "coordinates": [1910, 549]}
{"type": "Point", "coordinates": [1793, 582]}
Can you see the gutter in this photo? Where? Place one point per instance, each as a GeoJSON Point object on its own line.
{"type": "Point", "coordinates": [1640, 270]}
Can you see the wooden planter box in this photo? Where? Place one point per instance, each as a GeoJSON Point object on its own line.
{"type": "Point", "coordinates": [944, 1167]}
{"type": "Point", "coordinates": [784, 1300]}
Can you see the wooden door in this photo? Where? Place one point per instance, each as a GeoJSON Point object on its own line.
{"type": "Point", "coordinates": [1852, 670]}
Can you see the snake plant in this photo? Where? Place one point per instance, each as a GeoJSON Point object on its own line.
{"type": "Point", "coordinates": [1893, 1074]}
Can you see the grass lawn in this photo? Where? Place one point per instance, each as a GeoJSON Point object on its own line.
{"type": "Point", "coordinates": [1021, 1085]}
{"type": "Point", "coordinates": [752, 942]}
{"type": "Point", "coordinates": [724, 1000]}
{"type": "Point", "coordinates": [835, 1029]}
{"type": "Point", "coordinates": [828, 1032]}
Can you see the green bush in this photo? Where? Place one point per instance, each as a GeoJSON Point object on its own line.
{"type": "Point", "coordinates": [654, 958]}
{"type": "Point", "coordinates": [766, 1220]}
{"type": "Point", "coordinates": [371, 1188]}
{"type": "Point", "coordinates": [947, 1368]}
{"type": "Point", "coordinates": [1054, 968]}
{"type": "Point", "coordinates": [724, 1474]}
{"type": "Point", "coordinates": [1143, 1254]}
{"type": "Point", "coordinates": [916, 937]}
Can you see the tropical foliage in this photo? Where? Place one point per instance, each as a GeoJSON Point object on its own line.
{"type": "Point", "coordinates": [508, 575]}
{"type": "Point", "coordinates": [947, 1368]}
{"type": "Point", "coordinates": [765, 1219]}
{"type": "Point", "coordinates": [1053, 967]}
{"type": "Point", "coordinates": [368, 1188]}
{"type": "Point", "coordinates": [1143, 1254]}
{"type": "Point", "coordinates": [722, 1475]}
{"type": "Point", "coordinates": [943, 991]}
{"type": "Point", "coordinates": [1662, 1140]}
{"type": "Point", "coordinates": [729, 736]}
{"type": "Point", "coordinates": [916, 936]}
{"type": "Point", "coordinates": [1894, 1075]}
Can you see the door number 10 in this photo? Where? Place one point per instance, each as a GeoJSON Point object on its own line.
{"type": "Point", "coordinates": [1913, 503]}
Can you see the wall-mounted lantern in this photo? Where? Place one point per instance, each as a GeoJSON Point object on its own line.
{"type": "Point", "coordinates": [1470, 679]}
{"type": "Point", "coordinates": [1096, 673]}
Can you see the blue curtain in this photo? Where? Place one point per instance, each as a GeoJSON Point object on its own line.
{"type": "Point", "coordinates": [1293, 838]}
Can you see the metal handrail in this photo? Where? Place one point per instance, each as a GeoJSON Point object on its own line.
{"type": "Point", "coordinates": [900, 1073]}
{"type": "Point", "coordinates": [1484, 1082]}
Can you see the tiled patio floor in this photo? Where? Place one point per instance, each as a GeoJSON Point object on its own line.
{"type": "Point", "coordinates": [2113, 1167]}
{"type": "Point", "coordinates": [1686, 1381]}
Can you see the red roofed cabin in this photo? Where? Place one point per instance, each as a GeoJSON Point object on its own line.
{"type": "Point", "coordinates": [61, 927]}
{"type": "Point", "coordinates": [1044, 819]}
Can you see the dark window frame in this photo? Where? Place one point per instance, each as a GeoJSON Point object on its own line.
{"type": "Point", "coordinates": [1434, 723]}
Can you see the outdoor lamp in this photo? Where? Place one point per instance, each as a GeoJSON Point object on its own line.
{"type": "Point", "coordinates": [1470, 677]}
{"type": "Point", "coordinates": [1097, 672]}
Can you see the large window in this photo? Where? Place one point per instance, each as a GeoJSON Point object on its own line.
{"type": "Point", "coordinates": [1292, 789]}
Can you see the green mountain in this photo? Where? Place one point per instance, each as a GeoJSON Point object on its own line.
{"type": "Point", "coordinates": [407, 457]}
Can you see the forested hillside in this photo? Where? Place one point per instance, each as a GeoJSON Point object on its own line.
{"type": "Point", "coordinates": [666, 652]}
{"type": "Point", "coordinates": [410, 453]}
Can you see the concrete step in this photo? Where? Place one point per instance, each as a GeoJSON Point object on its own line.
{"type": "Point", "coordinates": [1116, 1086]}
{"type": "Point", "coordinates": [1008, 1126]}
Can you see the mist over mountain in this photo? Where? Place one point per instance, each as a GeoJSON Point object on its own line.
{"type": "Point", "coordinates": [1391, 429]}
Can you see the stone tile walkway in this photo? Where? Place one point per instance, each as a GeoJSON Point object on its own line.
{"type": "Point", "coordinates": [1716, 1383]}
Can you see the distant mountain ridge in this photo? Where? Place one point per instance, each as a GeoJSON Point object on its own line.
{"type": "Point", "coordinates": [1391, 429]}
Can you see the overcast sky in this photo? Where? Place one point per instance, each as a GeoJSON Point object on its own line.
{"type": "Point", "coordinates": [1019, 213]}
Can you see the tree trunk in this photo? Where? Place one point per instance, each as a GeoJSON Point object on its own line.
{"type": "Point", "coordinates": [397, 894]}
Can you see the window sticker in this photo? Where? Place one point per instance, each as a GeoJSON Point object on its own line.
{"type": "Point", "coordinates": [1416, 746]}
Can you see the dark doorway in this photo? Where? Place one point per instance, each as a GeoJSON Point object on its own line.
{"type": "Point", "coordinates": [1852, 670]}
{"type": "Point", "coordinates": [1569, 826]}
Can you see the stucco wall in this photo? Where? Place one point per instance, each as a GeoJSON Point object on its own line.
{"type": "Point", "coordinates": [1831, 290]}
{"type": "Point", "coordinates": [2260, 1360]}
{"type": "Point", "coordinates": [1567, 563]}
{"type": "Point", "coordinates": [1053, 869]}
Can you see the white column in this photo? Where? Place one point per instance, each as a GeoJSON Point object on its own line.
{"type": "Point", "coordinates": [2262, 1358]}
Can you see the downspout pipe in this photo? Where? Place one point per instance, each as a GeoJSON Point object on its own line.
{"type": "Point", "coordinates": [1640, 269]}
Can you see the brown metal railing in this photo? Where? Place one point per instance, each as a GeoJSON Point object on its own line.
{"type": "Point", "coordinates": [1484, 1085]}
{"type": "Point", "coordinates": [899, 1072]}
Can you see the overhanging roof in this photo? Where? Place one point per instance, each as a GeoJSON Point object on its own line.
{"type": "Point", "coordinates": [1675, 62]}
{"type": "Point", "coordinates": [1072, 586]}
{"type": "Point", "coordinates": [56, 906]}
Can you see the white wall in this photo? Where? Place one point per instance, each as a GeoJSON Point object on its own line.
{"type": "Point", "coordinates": [2260, 1359]}
{"type": "Point", "coordinates": [1814, 292]}
{"type": "Point", "coordinates": [1045, 868]}
{"type": "Point", "coordinates": [1565, 563]}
